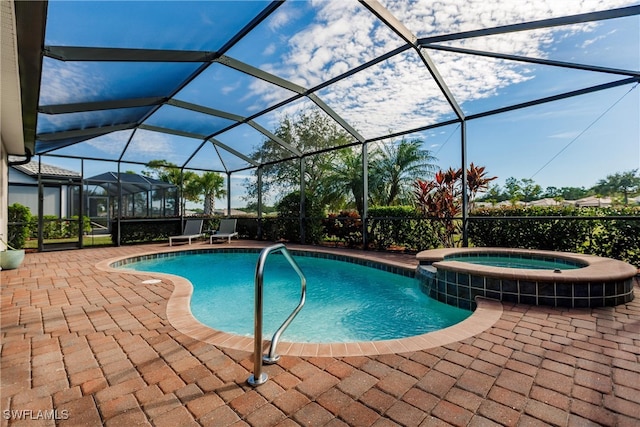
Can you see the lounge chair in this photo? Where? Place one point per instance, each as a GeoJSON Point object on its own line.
{"type": "Point", "coordinates": [227, 230]}
{"type": "Point", "coordinates": [192, 230]}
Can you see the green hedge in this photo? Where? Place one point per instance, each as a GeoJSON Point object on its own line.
{"type": "Point", "coordinates": [146, 230]}
{"type": "Point", "coordinates": [400, 226]}
{"type": "Point", "coordinates": [345, 227]}
{"type": "Point", "coordinates": [140, 230]}
{"type": "Point", "coordinates": [54, 227]}
{"type": "Point", "coordinates": [287, 226]}
{"type": "Point", "coordinates": [603, 237]}
{"type": "Point", "coordinates": [19, 220]}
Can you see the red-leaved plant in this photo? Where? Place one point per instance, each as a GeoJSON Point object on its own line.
{"type": "Point", "coordinates": [441, 198]}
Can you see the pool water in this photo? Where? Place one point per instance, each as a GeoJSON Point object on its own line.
{"type": "Point", "coordinates": [515, 262]}
{"type": "Point", "coordinates": [346, 302]}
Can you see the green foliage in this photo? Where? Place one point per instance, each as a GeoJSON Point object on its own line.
{"type": "Point", "coordinates": [395, 167]}
{"type": "Point", "coordinates": [624, 183]}
{"type": "Point", "coordinates": [308, 132]}
{"type": "Point", "coordinates": [400, 226]}
{"type": "Point", "coordinates": [617, 238]}
{"type": "Point", "coordinates": [335, 177]}
{"type": "Point", "coordinates": [547, 234]}
{"type": "Point", "coordinates": [344, 227]}
{"type": "Point", "coordinates": [18, 218]}
{"type": "Point", "coordinates": [608, 237]}
{"type": "Point", "coordinates": [288, 227]}
{"type": "Point", "coordinates": [145, 230]}
{"type": "Point", "coordinates": [54, 227]}
{"type": "Point", "coordinates": [72, 226]}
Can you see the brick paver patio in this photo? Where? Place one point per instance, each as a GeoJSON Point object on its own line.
{"type": "Point", "coordinates": [92, 347]}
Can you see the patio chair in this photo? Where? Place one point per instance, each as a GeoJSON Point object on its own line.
{"type": "Point", "coordinates": [227, 230]}
{"type": "Point", "coordinates": [192, 230]}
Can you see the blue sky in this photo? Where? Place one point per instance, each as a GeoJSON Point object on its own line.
{"type": "Point", "coordinates": [574, 142]}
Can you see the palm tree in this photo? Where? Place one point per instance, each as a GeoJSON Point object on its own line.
{"type": "Point", "coordinates": [345, 176]}
{"type": "Point", "coordinates": [211, 185]}
{"type": "Point", "coordinates": [171, 173]}
{"type": "Point", "coordinates": [396, 169]}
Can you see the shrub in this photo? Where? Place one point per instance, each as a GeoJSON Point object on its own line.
{"type": "Point", "coordinates": [617, 238]}
{"type": "Point", "coordinates": [288, 219]}
{"type": "Point", "coordinates": [401, 226]}
{"type": "Point", "coordinates": [345, 227]}
{"type": "Point", "coordinates": [548, 234]}
{"type": "Point", "coordinates": [18, 218]}
{"type": "Point", "coordinates": [602, 237]}
{"type": "Point", "coordinates": [145, 230]}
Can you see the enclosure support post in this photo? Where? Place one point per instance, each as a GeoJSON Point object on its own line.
{"type": "Point", "coordinates": [303, 201]}
{"type": "Point", "coordinates": [81, 207]}
{"type": "Point", "coordinates": [228, 194]}
{"type": "Point", "coordinates": [365, 194]}
{"type": "Point", "coordinates": [119, 241]}
{"type": "Point", "coordinates": [40, 207]}
{"type": "Point", "coordinates": [465, 184]}
{"type": "Point", "coordinates": [260, 233]}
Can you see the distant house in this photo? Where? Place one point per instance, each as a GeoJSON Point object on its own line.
{"type": "Point", "coordinates": [141, 196]}
{"type": "Point", "coordinates": [59, 188]}
{"type": "Point", "coordinates": [593, 201]}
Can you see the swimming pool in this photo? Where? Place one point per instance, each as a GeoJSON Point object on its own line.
{"type": "Point", "coordinates": [346, 301]}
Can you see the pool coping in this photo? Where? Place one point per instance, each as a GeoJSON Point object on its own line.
{"type": "Point", "coordinates": [179, 315]}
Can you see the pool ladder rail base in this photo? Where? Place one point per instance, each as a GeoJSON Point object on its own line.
{"type": "Point", "coordinates": [258, 377]}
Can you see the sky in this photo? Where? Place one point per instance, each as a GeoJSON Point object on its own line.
{"type": "Point", "coordinates": [573, 142]}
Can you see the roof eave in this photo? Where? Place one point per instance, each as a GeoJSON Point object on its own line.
{"type": "Point", "coordinates": [30, 21]}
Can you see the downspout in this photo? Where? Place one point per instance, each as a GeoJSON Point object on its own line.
{"type": "Point", "coordinates": [27, 159]}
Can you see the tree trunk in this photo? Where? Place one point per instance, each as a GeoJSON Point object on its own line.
{"type": "Point", "coordinates": [209, 204]}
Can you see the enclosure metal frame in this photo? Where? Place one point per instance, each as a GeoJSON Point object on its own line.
{"type": "Point", "coordinates": [31, 21]}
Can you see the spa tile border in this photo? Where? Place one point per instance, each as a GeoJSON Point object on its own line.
{"type": "Point", "coordinates": [179, 314]}
{"type": "Point", "coordinates": [599, 282]}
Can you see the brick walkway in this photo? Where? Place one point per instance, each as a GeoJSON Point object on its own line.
{"type": "Point", "coordinates": [96, 347]}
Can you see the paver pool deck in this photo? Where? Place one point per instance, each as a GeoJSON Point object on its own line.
{"type": "Point", "coordinates": [88, 345]}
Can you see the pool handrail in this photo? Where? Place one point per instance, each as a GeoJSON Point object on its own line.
{"type": "Point", "coordinates": [258, 377]}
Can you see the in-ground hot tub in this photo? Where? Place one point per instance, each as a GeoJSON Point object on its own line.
{"type": "Point", "coordinates": [560, 279]}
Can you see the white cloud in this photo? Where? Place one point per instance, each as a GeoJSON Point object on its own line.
{"type": "Point", "coordinates": [394, 96]}
{"type": "Point", "coordinates": [68, 82]}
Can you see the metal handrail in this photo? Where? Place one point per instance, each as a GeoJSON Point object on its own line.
{"type": "Point", "coordinates": [258, 377]}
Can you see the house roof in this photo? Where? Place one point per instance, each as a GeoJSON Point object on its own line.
{"type": "Point", "coordinates": [130, 183]}
{"type": "Point", "coordinates": [45, 170]}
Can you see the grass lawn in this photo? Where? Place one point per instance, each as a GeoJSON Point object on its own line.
{"type": "Point", "coordinates": [87, 241]}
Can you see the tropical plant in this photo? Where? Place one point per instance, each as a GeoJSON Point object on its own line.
{"type": "Point", "coordinates": [347, 174]}
{"type": "Point", "coordinates": [441, 198]}
{"type": "Point", "coordinates": [395, 168]}
{"type": "Point", "coordinates": [211, 185]}
{"type": "Point", "coordinates": [477, 181]}
{"type": "Point", "coordinates": [187, 181]}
